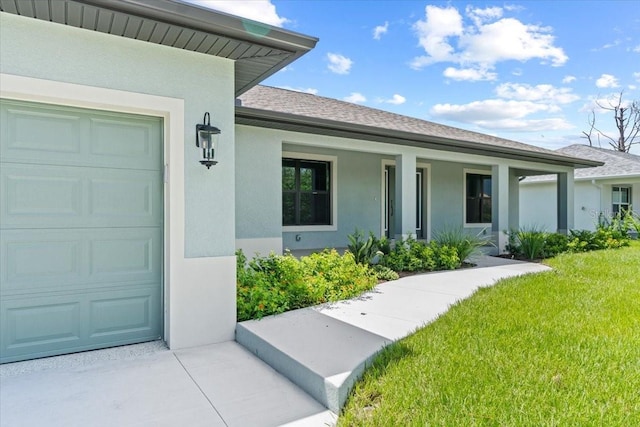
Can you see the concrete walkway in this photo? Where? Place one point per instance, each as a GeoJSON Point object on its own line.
{"type": "Point", "coordinates": [325, 349]}
{"type": "Point", "coordinates": [317, 354]}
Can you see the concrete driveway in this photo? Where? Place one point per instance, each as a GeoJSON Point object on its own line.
{"type": "Point", "coordinates": [317, 351]}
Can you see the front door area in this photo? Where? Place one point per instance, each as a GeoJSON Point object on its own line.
{"type": "Point", "coordinates": [390, 207]}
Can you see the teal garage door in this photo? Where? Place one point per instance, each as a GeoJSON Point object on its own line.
{"type": "Point", "coordinates": [81, 229]}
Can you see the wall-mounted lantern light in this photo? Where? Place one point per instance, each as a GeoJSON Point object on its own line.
{"type": "Point", "coordinates": [207, 140]}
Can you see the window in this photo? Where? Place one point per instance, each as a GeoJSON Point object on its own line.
{"type": "Point", "coordinates": [478, 198]}
{"type": "Point", "coordinates": [306, 192]}
{"type": "Point", "coordinates": [621, 198]}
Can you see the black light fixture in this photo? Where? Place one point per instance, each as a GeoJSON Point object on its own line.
{"type": "Point", "coordinates": [207, 140]}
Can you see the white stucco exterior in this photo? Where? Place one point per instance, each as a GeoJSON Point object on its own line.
{"type": "Point", "coordinates": [56, 64]}
{"type": "Point", "coordinates": [359, 184]}
{"type": "Point", "coordinates": [592, 198]}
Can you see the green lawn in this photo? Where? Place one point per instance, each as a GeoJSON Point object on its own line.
{"type": "Point", "coordinates": [555, 349]}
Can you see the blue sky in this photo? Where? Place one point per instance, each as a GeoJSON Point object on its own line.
{"type": "Point", "coordinates": [528, 70]}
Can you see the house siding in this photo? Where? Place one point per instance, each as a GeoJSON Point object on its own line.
{"type": "Point", "coordinates": [538, 202]}
{"type": "Point", "coordinates": [199, 270]}
{"type": "Point", "coordinates": [45, 50]}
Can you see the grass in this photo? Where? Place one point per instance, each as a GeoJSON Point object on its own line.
{"type": "Point", "coordinates": [560, 348]}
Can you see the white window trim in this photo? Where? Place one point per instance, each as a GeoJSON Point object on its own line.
{"type": "Point", "coordinates": [334, 192]}
{"type": "Point", "coordinates": [629, 189]}
{"type": "Point", "coordinates": [466, 171]}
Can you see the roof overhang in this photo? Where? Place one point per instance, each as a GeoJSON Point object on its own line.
{"type": "Point", "coordinates": [284, 121]}
{"type": "Point", "coordinates": [259, 50]}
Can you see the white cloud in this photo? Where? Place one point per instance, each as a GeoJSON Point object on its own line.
{"type": "Point", "coordinates": [607, 81]}
{"type": "Point", "coordinates": [539, 93]}
{"type": "Point", "coordinates": [256, 10]}
{"type": "Point", "coordinates": [434, 33]}
{"type": "Point", "coordinates": [310, 90]}
{"type": "Point", "coordinates": [380, 30]}
{"type": "Point", "coordinates": [339, 64]}
{"type": "Point", "coordinates": [493, 114]}
{"type": "Point", "coordinates": [395, 100]}
{"type": "Point", "coordinates": [637, 49]}
{"type": "Point", "coordinates": [469, 74]}
{"type": "Point", "coordinates": [568, 79]}
{"type": "Point", "coordinates": [632, 87]}
{"type": "Point", "coordinates": [479, 16]}
{"type": "Point", "coordinates": [355, 98]}
{"type": "Point", "coordinates": [636, 76]}
{"type": "Point", "coordinates": [510, 39]}
{"type": "Point", "coordinates": [487, 39]}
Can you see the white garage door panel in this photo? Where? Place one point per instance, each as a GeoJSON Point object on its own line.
{"type": "Point", "coordinates": [44, 196]}
{"type": "Point", "coordinates": [79, 258]}
{"type": "Point", "coordinates": [49, 134]}
{"type": "Point", "coordinates": [81, 229]}
{"type": "Point", "coordinates": [45, 326]}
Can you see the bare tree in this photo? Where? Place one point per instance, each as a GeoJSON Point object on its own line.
{"type": "Point", "coordinates": [627, 123]}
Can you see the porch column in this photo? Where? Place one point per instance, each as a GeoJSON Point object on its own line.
{"type": "Point", "coordinates": [514, 200]}
{"type": "Point", "coordinates": [565, 202]}
{"type": "Point", "coordinates": [500, 185]}
{"type": "Point", "coordinates": [405, 218]}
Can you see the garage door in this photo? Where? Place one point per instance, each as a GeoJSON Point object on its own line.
{"type": "Point", "coordinates": [81, 229]}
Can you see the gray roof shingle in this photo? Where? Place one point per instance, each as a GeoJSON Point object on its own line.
{"type": "Point", "coordinates": [317, 107]}
{"type": "Point", "coordinates": [616, 163]}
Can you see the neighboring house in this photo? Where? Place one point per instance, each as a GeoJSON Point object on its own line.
{"type": "Point", "coordinates": [600, 192]}
{"type": "Point", "coordinates": [112, 232]}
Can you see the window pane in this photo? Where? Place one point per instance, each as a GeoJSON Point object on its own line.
{"type": "Point", "coordinates": [288, 175]}
{"type": "Point", "coordinates": [478, 198]}
{"type": "Point", "coordinates": [624, 195]}
{"type": "Point", "coordinates": [486, 186]}
{"type": "Point", "coordinates": [314, 176]}
{"type": "Point", "coordinates": [486, 210]}
{"type": "Point", "coordinates": [314, 209]}
{"type": "Point", "coordinates": [288, 208]}
{"type": "Point", "coordinates": [616, 195]}
{"type": "Point", "coordinates": [473, 210]}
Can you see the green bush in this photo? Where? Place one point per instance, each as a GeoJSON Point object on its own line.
{"type": "Point", "coordinates": [465, 244]}
{"type": "Point", "coordinates": [529, 242]}
{"type": "Point", "coordinates": [411, 255]}
{"type": "Point", "coordinates": [385, 273]}
{"type": "Point", "coordinates": [554, 244]}
{"type": "Point", "coordinates": [363, 250]}
{"type": "Point", "coordinates": [278, 283]}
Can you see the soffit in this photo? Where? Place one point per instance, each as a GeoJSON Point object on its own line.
{"type": "Point", "coordinates": [259, 50]}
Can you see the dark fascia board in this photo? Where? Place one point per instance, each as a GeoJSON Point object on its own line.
{"type": "Point", "coordinates": [202, 19]}
{"type": "Point", "coordinates": [284, 121]}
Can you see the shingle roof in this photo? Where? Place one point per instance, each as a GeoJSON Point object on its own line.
{"type": "Point", "coordinates": [306, 105]}
{"type": "Point", "coordinates": [616, 163]}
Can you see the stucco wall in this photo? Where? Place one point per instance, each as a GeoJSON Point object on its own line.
{"type": "Point", "coordinates": [538, 202]}
{"type": "Point", "coordinates": [359, 187]}
{"type": "Point", "coordinates": [447, 199]}
{"type": "Point", "coordinates": [111, 72]}
{"type": "Point", "coordinates": [359, 190]}
{"type": "Point", "coordinates": [45, 50]}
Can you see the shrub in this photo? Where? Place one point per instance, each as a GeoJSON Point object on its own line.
{"type": "Point", "coordinates": [278, 283]}
{"type": "Point", "coordinates": [363, 250]}
{"type": "Point", "coordinates": [528, 242]}
{"type": "Point", "coordinates": [465, 244]}
{"type": "Point", "coordinates": [411, 255]}
{"type": "Point", "coordinates": [555, 243]}
{"type": "Point", "coordinates": [385, 273]}
{"type": "Point", "coordinates": [332, 277]}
